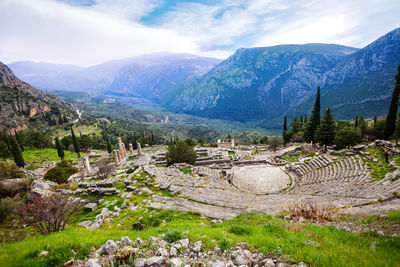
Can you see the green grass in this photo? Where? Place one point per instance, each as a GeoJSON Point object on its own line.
{"type": "Point", "coordinates": [186, 171]}
{"type": "Point", "coordinates": [264, 233]}
{"type": "Point", "coordinates": [84, 129]}
{"type": "Point", "coordinates": [45, 154]}
{"type": "Point", "coordinates": [378, 169]}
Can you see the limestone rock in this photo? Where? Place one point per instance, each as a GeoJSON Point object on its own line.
{"type": "Point", "coordinates": [110, 247]}
{"type": "Point", "coordinates": [92, 263]}
{"type": "Point", "coordinates": [40, 189]}
{"type": "Point", "coordinates": [155, 261]}
{"type": "Point", "coordinates": [85, 224]}
{"type": "Point", "coordinates": [139, 262]}
{"type": "Point", "coordinates": [91, 206]}
{"type": "Point", "coordinates": [176, 262]}
{"type": "Point", "coordinates": [125, 241]}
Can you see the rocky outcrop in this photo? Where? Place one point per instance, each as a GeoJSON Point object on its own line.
{"type": "Point", "coordinates": [40, 188]}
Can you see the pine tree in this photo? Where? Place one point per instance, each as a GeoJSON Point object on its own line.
{"type": "Point", "coordinates": [59, 148]}
{"type": "Point", "coordinates": [356, 123]}
{"type": "Point", "coordinates": [392, 113]}
{"type": "Point", "coordinates": [16, 152]}
{"type": "Point", "coordinates": [75, 143]}
{"type": "Point", "coordinates": [315, 119]}
{"type": "Point", "coordinates": [326, 131]}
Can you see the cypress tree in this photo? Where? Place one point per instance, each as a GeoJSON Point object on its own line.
{"type": "Point", "coordinates": [305, 118]}
{"type": "Point", "coordinates": [375, 119]}
{"type": "Point", "coordinates": [75, 143]}
{"type": "Point", "coordinates": [326, 131]}
{"type": "Point", "coordinates": [315, 119]}
{"type": "Point", "coordinates": [19, 140]}
{"type": "Point", "coordinates": [59, 148]}
{"type": "Point", "coordinates": [16, 152]}
{"type": "Point", "coordinates": [284, 124]}
{"type": "Point", "coordinates": [392, 113]}
{"type": "Point", "coordinates": [109, 148]}
{"type": "Point", "coordinates": [301, 118]}
{"type": "Point", "coordinates": [356, 123]}
{"type": "Point", "coordinates": [397, 131]}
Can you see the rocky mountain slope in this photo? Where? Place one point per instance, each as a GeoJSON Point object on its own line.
{"type": "Point", "coordinates": [22, 105]}
{"type": "Point", "coordinates": [361, 83]}
{"type": "Point", "coordinates": [259, 83]}
{"type": "Point", "coordinates": [118, 77]}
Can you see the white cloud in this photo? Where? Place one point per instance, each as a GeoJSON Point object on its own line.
{"type": "Point", "coordinates": [46, 30]}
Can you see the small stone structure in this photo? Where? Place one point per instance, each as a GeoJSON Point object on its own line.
{"type": "Point", "coordinates": [139, 149]}
{"type": "Point", "coordinates": [130, 149]}
{"type": "Point", "coordinates": [226, 143]}
{"type": "Point", "coordinates": [87, 164]}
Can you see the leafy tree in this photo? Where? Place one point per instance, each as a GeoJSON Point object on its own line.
{"type": "Point", "coordinates": [362, 124]}
{"type": "Point", "coordinates": [315, 118]}
{"type": "Point", "coordinates": [59, 148]}
{"type": "Point", "coordinates": [181, 152]}
{"type": "Point", "coordinates": [264, 140]}
{"type": "Point", "coordinates": [347, 136]}
{"type": "Point", "coordinates": [190, 141]}
{"type": "Point", "coordinates": [75, 142]}
{"type": "Point", "coordinates": [326, 131]}
{"type": "Point", "coordinates": [16, 152]}
{"type": "Point", "coordinates": [378, 129]}
{"type": "Point", "coordinates": [201, 141]}
{"type": "Point", "coordinates": [392, 113]}
{"type": "Point", "coordinates": [229, 136]}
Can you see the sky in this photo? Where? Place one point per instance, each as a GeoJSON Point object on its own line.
{"type": "Point", "coordinates": [89, 32]}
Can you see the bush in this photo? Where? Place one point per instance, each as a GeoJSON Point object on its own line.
{"type": "Point", "coordinates": [240, 230]}
{"type": "Point", "coordinates": [10, 170]}
{"type": "Point", "coordinates": [12, 189]}
{"type": "Point", "coordinates": [61, 172]}
{"type": "Point", "coordinates": [181, 153]}
{"type": "Point", "coordinates": [49, 214]}
{"type": "Point", "coordinates": [7, 206]}
{"type": "Point", "coordinates": [130, 170]}
{"type": "Point", "coordinates": [311, 211]}
{"type": "Point", "coordinates": [223, 244]}
{"type": "Point", "coordinates": [173, 236]}
{"type": "Point", "coordinates": [105, 168]}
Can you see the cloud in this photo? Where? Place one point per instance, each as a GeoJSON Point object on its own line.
{"type": "Point", "coordinates": [44, 30]}
{"type": "Point", "coordinates": [92, 31]}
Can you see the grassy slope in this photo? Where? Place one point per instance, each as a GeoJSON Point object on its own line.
{"type": "Point", "coordinates": [264, 233]}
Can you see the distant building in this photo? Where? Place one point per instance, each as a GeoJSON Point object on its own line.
{"type": "Point", "coordinates": [226, 143]}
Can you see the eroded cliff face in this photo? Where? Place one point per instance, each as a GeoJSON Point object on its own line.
{"type": "Point", "coordinates": [22, 105]}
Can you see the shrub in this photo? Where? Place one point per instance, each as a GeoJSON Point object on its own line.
{"type": "Point", "coordinates": [10, 170]}
{"type": "Point", "coordinates": [240, 230]}
{"type": "Point", "coordinates": [12, 189]}
{"type": "Point", "coordinates": [181, 153]}
{"type": "Point", "coordinates": [61, 172]}
{"type": "Point", "coordinates": [130, 170]}
{"type": "Point", "coordinates": [49, 214]}
{"type": "Point", "coordinates": [173, 236]}
{"type": "Point", "coordinates": [7, 206]}
{"type": "Point", "coordinates": [223, 244]}
{"type": "Point", "coordinates": [105, 168]}
{"type": "Point", "coordinates": [311, 211]}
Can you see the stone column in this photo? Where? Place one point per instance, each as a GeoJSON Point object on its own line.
{"type": "Point", "coordinates": [121, 150]}
{"type": "Point", "coordinates": [124, 147]}
{"type": "Point", "coordinates": [130, 149]}
{"type": "Point", "coordinates": [116, 159]}
{"type": "Point", "coordinates": [87, 164]}
{"type": "Point", "coordinates": [139, 149]}
{"type": "Point", "coordinates": [119, 155]}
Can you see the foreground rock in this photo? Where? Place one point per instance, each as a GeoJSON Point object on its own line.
{"type": "Point", "coordinates": [157, 252]}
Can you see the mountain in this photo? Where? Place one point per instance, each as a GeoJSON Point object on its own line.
{"type": "Point", "coordinates": [267, 83]}
{"type": "Point", "coordinates": [22, 105]}
{"type": "Point", "coordinates": [106, 77]}
{"type": "Point", "coordinates": [259, 83]}
{"type": "Point", "coordinates": [160, 77]}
